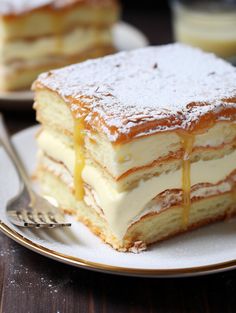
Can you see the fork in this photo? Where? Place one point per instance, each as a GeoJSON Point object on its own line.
{"type": "Point", "coordinates": [28, 209]}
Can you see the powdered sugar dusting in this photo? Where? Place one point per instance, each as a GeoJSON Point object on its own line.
{"type": "Point", "coordinates": [133, 88]}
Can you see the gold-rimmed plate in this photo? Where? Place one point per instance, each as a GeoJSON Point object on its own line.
{"type": "Point", "coordinates": [125, 37]}
{"type": "Point", "coordinates": [207, 250]}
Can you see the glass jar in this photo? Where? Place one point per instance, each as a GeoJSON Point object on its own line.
{"type": "Point", "coordinates": [209, 25]}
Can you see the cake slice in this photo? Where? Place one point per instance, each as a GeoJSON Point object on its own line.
{"type": "Point", "coordinates": [140, 146]}
{"type": "Point", "coordinates": [39, 35]}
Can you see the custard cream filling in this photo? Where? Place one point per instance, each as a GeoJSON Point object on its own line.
{"type": "Point", "coordinates": [121, 208]}
{"type": "Point", "coordinates": [118, 159]}
{"type": "Point", "coordinates": [92, 200]}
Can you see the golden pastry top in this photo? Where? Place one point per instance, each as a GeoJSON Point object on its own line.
{"type": "Point", "coordinates": [144, 91]}
{"type": "Point", "coordinates": [19, 7]}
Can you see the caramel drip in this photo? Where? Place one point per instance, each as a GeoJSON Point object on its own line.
{"type": "Point", "coordinates": [79, 157]}
{"type": "Point", "coordinates": [187, 141]}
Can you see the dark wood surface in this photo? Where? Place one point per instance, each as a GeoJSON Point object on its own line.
{"type": "Point", "coordinates": [30, 283]}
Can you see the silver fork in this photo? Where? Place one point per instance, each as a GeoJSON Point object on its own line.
{"type": "Point", "coordinates": [28, 209]}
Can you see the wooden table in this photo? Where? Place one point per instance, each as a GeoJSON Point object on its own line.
{"type": "Point", "coordinates": [30, 283]}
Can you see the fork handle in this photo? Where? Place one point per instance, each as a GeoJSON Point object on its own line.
{"type": "Point", "coordinates": [7, 144]}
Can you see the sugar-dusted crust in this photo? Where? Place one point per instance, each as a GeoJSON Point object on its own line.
{"type": "Point", "coordinates": [144, 91]}
{"type": "Point", "coordinates": [19, 7]}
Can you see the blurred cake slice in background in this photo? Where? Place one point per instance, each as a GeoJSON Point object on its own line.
{"type": "Point", "coordinates": [39, 35]}
{"type": "Point", "coordinates": [140, 145]}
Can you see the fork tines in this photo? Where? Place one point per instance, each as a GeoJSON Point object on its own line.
{"type": "Point", "coordinates": [38, 219]}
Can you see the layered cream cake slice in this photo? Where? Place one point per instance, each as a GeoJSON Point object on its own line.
{"type": "Point", "coordinates": [140, 146]}
{"type": "Point", "coordinates": [39, 35]}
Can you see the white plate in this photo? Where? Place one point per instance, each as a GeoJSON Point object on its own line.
{"type": "Point", "coordinates": [209, 249]}
{"type": "Point", "coordinates": [126, 37]}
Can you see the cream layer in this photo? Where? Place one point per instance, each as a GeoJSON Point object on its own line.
{"type": "Point", "coordinates": [92, 197]}
{"type": "Point", "coordinates": [120, 208]}
{"type": "Point", "coordinates": [118, 159]}
{"type": "Point", "coordinates": [71, 43]}
{"type": "Point", "coordinates": [158, 206]}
